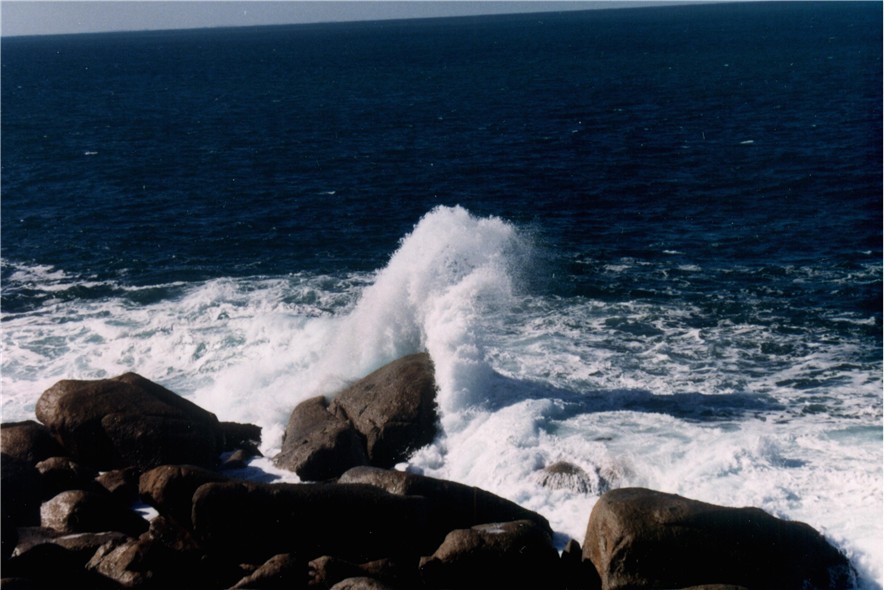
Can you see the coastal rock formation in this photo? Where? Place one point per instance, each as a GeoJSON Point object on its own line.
{"type": "Point", "coordinates": [394, 408]}
{"type": "Point", "coordinates": [318, 444]}
{"type": "Point", "coordinates": [516, 554]}
{"type": "Point", "coordinates": [129, 420]}
{"type": "Point", "coordinates": [28, 441]}
{"type": "Point", "coordinates": [564, 475]}
{"type": "Point", "coordinates": [65, 525]}
{"type": "Point", "coordinates": [451, 505]}
{"type": "Point", "coordinates": [79, 511]}
{"type": "Point", "coordinates": [379, 421]}
{"type": "Point", "coordinates": [252, 522]}
{"type": "Point", "coordinates": [639, 538]}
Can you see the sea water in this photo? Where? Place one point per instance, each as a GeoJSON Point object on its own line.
{"type": "Point", "coordinates": [645, 241]}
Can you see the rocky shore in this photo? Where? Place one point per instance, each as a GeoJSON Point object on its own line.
{"type": "Point", "coordinates": [72, 477]}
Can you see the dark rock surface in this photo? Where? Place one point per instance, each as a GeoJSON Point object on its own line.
{"type": "Point", "coordinates": [517, 554]}
{"type": "Point", "coordinates": [452, 505]}
{"type": "Point", "coordinates": [366, 527]}
{"type": "Point", "coordinates": [379, 420]}
{"type": "Point", "coordinates": [28, 441]}
{"type": "Point", "coordinates": [639, 538]}
{"type": "Point", "coordinates": [256, 521]}
{"type": "Point", "coordinates": [129, 421]}
{"type": "Point", "coordinates": [319, 445]}
{"type": "Point", "coordinates": [80, 511]}
{"type": "Point", "coordinates": [394, 408]}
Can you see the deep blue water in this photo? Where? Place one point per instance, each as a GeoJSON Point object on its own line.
{"type": "Point", "coordinates": [738, 135]}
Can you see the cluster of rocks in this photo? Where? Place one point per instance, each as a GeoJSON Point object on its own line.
{"type": "Point", "coordinates": [71, 482]}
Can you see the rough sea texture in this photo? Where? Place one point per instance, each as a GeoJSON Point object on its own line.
{"type": "Point", "coordinates": [647, 241]}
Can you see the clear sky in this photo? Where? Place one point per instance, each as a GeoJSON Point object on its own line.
{"type": "Point", "coordinates": [21, 17]}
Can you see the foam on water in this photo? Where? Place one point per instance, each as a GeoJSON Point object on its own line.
{"type": "Point", "coordinates": [635, 393]}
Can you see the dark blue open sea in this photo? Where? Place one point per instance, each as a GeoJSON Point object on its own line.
{"type": "Point", "coordinates": [648, 241]}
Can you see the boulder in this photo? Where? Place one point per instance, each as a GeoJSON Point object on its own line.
{"type": "Point", "coordinates": [81, 545]}
{"type": "Point", "coordinates": [122, 484]}
{"type": "Point", "coordinates": [379, 420]}
{"type": "Point", "coordinates": [252, 522]}
{"type": "Point", "coordinates": [285, 571]}
{"type": "Point", "coordinates": [166, 556]}
{"type": "Point", "coordinates": [319, 445]}
{"type": "Point", "coordinates": [394, 408]}
{"type": "Point", "coordinates": [50, 560]}
{"type": "Point", "coordinates": [361, 583]}
{"type": "Point", "coordinates": [452, 505]}
{"type": "Point", "coordinates": [517, 554]}
{"type": "Point", "coordinates": [241, 436]}
{"type": "Point", "coordinates": [643, 538]}
{"type": "Point", "coordinates": [59, 474]}
{"type": "Point", "coordinates": [170, 489]}
{"type": "Point", "coordinates": [28, 441]}
{"type": "Point", "coordinates": [22, 490]}
{"type": "Point", "coordinates": [578, 573]}
{"type": "Point", "coordinates": [129, 421]}
{"type": "Point", "coordinates": [80, 511]}
{"type": "Point", "coordinates": [563, 475]}
{"type": "Point", "coordinates": [327, 571]}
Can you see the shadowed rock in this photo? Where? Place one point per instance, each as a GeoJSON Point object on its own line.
{"type": "Point", "coordinates": [452, 505]}
{"type": "Point", "coordinates": [28, 441]}
{"type": "Point", "coordinates": [79, 511]}
{"type": "Point", "coordinates": [517, 554]}
{"type": "Point", "coordinates": [170, 489]}
{"type": "Point", "coordinates": [252, 522]}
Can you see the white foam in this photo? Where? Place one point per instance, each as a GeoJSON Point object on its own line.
{"type": "Point", "coordinates": [633, 393]}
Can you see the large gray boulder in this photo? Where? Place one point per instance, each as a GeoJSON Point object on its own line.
{"type": "Point", "coordinates": [129, 421]}
{"type": "Point", "coordinates": [379, 420]}
{"type": "Point", "coordinates": [319, 445]}
{"type": "Point", "coordinates": [639, 538]}
{"type": "Point", "coordinates": [394, 408]}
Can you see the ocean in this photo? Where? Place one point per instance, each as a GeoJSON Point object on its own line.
{"type": "Point", "coordinates": [647, 241]}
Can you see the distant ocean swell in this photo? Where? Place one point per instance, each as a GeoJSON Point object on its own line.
{"type": "Point", "coordinates": [707, 397]}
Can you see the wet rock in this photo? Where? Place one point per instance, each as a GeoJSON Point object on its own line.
{"type": "Point", "coordinates": [643, 538]}
{"type": "Point", "coordinates": [379, 420]}
{"type": "Point", "coordinates": [566, 476]}
{"type": "Point", "coordinates": [394, 408]}
{"type": "Point", "coordinates": [319, 445]}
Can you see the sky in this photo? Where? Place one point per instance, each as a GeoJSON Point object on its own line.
{"type": "Point", "coordinates": [26, 17]}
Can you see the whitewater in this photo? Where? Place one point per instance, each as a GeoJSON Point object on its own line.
{"type": "Point", "coordinates": [635, 392]}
